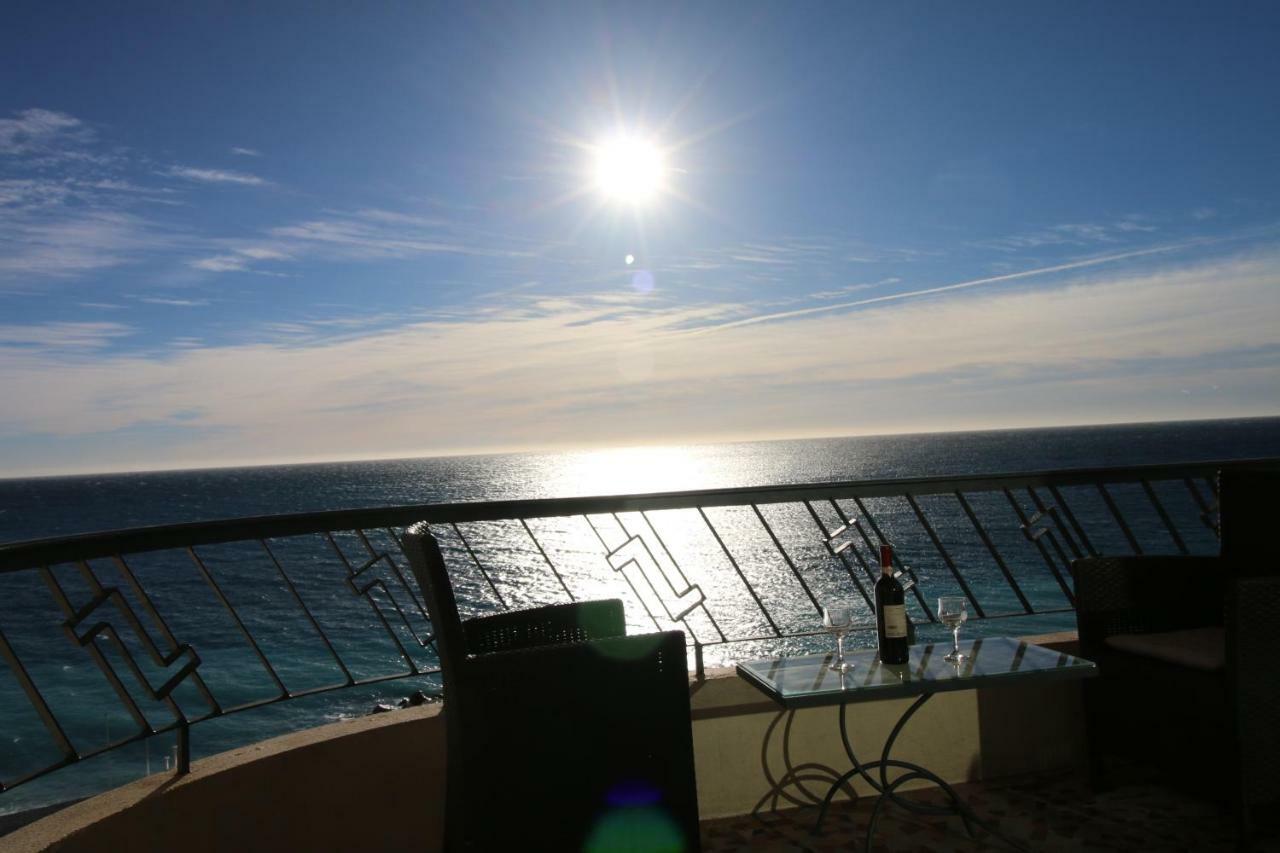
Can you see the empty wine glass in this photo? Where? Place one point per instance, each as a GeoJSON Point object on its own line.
{"type": "Point", "coordinates": [952, 612]}
{"type": "Point", "coordinates": [836, 619]}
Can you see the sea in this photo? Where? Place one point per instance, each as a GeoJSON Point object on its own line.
{"type": "Point", "coordinates": [38, 508]}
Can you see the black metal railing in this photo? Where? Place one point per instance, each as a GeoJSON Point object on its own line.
{"type": "Point", "coordinates": [166, 627]}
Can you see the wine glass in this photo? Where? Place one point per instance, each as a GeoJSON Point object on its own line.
{"type": "Point", "coordinates": [836, 619]}
{"type": "Point", "coordinates": [952, 612]}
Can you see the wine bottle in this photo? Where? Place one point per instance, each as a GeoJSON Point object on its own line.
{"type": "Point", "coordinates": [891, 611]}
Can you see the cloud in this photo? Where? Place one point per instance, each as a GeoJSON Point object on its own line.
{"type": "Point", "coordinates": [262, 253]}
{"type": "Point", "coordinates": [221, 263]}
{"type": "Point", "coordinates": [1073, 234]}
{"type": "Point", "coordinates": [120, 186]}
{"type": "Point", "coordinates": [853, 288]}
{"type": "Point", "coordinates": [54, 338]}
{"type": "Point", "coordinates": [35, 130]}
{"type": "Point", "coordinates": [29, 193]}
{"type": "Point", "coordinates": [246, 152]}
{"type": "Point", "coordinates": [360, 235]}
{"type": "Point", "coordinates": [45, 195]}
{"type": "Point", "coordinates": [1105, 349]}
{"type": "Point", "coordinates": [214, 176]}
{"type": "Point", "coordinates": [76, 244]}
{"type": "Point", "coordinates": [964, 285]}
{"type": "Point", "coordinates": [182, 303]}
{"type": "Point", "coordinates": [370, 234]}
{"type": "Point", "coordinates": [240, 259]}
{"type": "Point", "coordinates": [66, 208]}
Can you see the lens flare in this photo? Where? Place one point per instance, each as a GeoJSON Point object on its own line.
{"type": "Point", "coordinates": [635, 827]}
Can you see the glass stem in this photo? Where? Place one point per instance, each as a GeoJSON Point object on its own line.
{"type": "Point", "coordinates": [955, 640]}
{"type": "Point", "coordinates": [839, 648]}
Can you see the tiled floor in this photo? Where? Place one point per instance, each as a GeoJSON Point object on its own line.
{"type": "Point", "coordinates": [1053, 813]}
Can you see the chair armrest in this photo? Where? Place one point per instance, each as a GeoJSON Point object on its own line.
{"type": "Point", "coordinates": [1137, 595]}
{"type": "Point", "coordinates": [1253, 649]}
{"type": "Point", "coordinates": [542, 626]}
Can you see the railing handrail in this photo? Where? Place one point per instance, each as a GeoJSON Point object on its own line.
{"type": "Point", "coordinates": [25, 555]}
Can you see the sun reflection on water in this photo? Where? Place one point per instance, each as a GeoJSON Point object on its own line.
{"type": "Point", "coordinates": [632, 470]}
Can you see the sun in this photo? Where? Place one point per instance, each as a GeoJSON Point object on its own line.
{"type": "Point", "coordinates": [628, 169]}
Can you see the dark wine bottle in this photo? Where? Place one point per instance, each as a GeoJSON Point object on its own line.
{"type": "Point", "coordinates": [891, 611]}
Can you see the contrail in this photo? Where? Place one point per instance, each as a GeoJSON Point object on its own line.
{"type": "Point", "coordinates": [818, 309]}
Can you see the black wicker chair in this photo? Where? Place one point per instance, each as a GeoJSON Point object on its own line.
{"type": "Point", "coordinates": [1189, 653]}
{"type": "Point", "coordinates": [563, 733]}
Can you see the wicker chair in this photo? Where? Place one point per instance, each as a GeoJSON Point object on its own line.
{"type": "Point", "coordinates": [1189, 653]}
{"type": "Point", "coordinates": [563, 733]}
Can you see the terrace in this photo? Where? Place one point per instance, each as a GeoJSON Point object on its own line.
{"type": "Point", "coordinates": [181, 637]}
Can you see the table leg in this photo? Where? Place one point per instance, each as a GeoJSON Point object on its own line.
{"type": "Point", "coordinates": [887, 789]}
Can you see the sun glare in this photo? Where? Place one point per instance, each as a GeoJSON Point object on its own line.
{"type": "Point", "coordinates": [629, 169]}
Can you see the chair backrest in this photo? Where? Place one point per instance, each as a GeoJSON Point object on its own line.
{"type": "Point", "coordinates": [556, 716]}
{"type": "Point", "coordinates": [1247, 501]}
{"type": "Point", "coordinates": [428, 565]}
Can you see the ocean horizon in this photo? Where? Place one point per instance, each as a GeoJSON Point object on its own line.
{"type": "Point", "coordinates": [65, 504]}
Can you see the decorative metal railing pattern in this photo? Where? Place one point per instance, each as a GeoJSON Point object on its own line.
{"type": "Point", "coordinates": [176, 625]}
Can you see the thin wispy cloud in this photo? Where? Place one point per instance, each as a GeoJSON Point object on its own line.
{"type": "Point", "coordinates": [35, 131]}
{"type": "Point", "coordinates": [27, 193]}
{"type": "Point", "coordinates": [214, 176]}
{"type": "Point", "coordinates": [35, 194]}
{"type": "Point", "coordinates": [964, 285]}
{"type": "Point", "coordinates": [367, 235]}
{"type": "Point", "coordinates": [221, 263]}
{"type": "Point", "coordinates": [179, 303]}
{"type": "Point", "coordinates": [1073, 234]}
{"type": "Point", "coordinates": [77, 244]}
{"type": "Point", "coordinates": [246, 152]}
{"type": "Point", "coordinates": [58, 338]}
{"type": "Point", "coordinates": [124, 186]}
{"type": "Point", "coordinates": [263, 253]}
{"type": "Point", "coordinates": [854, 288]}
{"type": "Point", "coordinates": [68, 207]}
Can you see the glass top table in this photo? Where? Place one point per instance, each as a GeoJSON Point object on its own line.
{"type": "Point", "coordinates": [801, 682]}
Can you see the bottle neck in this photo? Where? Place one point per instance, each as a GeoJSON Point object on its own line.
{"type": "Point", "coordinates": [886, 559]}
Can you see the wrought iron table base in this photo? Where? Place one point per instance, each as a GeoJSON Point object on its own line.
{"type": "Point", "coordinates": [887, 790]}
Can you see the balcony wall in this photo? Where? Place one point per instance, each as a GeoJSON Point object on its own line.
{"type": "Point", "coordinates": [377, 783]}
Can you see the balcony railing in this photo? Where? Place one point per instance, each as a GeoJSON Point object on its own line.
{"type": "Point", "coordinates": [154, 630]}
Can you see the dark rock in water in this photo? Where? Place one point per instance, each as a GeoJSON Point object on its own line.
{"type": "Point", "coordinates": [415, 699]}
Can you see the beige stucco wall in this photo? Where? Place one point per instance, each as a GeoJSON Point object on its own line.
{"type": "Point", "coordinates": [376, 783]}
{"type": "Point", "coordinates": [751, 755]}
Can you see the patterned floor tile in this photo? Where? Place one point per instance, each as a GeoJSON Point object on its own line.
{"type": "Point", "coordinates": [1054, 814]}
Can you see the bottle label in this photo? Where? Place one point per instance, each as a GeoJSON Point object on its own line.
{"type": "Point", "coordinates": [895, 621]}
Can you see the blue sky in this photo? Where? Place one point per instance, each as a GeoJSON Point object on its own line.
{"type": "Point", "coordinates": [246, 234]}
